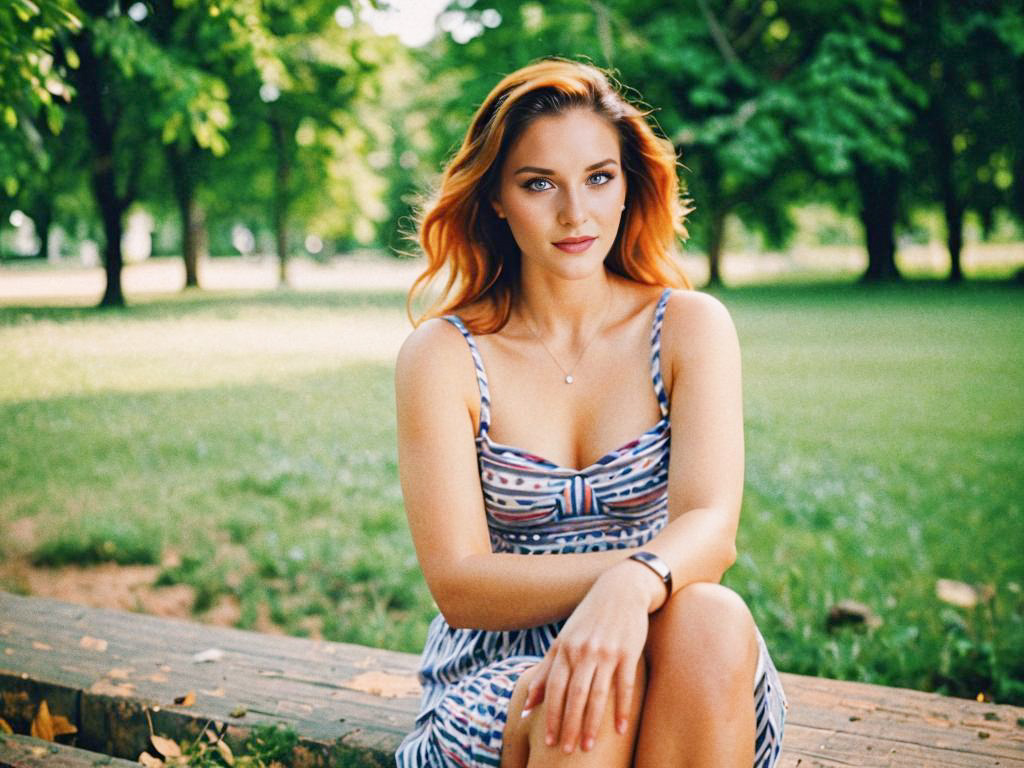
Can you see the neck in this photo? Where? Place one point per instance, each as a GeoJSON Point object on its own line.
{"type": "Point", "coordinates": [563, 309]}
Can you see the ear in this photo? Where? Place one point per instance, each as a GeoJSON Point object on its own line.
{"type": "Point", "coordinates": [498, 208]}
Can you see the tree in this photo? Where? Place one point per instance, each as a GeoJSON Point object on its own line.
{"type": "Point", "coordinates": [969, 58]}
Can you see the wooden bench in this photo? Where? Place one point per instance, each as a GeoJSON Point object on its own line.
{"type": "Point", "coordinates": [107, 670]}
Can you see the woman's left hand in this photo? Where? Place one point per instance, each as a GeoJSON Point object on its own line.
{"type": "Point", "coordinates": [599, 646]}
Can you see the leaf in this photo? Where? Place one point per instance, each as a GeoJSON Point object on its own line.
{"type": "Point", "coordinates": [42, 723]}
{"type": "Point", "coordinates": [225, 752]}
{"type": "Point", "coordinates": [851, 613]}
{"type": "Point", "coordinates": [62, 725]}
{"type": "Point", "coordinates": [93, 643]}
{"type": "Point", "coordinates": [166, 747]}
{"type": "Point", "coordinates": [149, 761]}
{"type": "Point", "coordinates": [6, 727]}
{"type": "Point", "coordinates": [48, 727]}
{"type": "Point", "coordinates": [238, 712]}
{"type": "Point", "coordinates": [187, 700]}
{"type": "Point", "coordinates": [383, 684]}
{"type": "Point", "coordinates": [961, 594]}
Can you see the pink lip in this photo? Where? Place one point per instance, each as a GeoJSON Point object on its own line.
{"type": "Point", "coordinates": [575, 244]}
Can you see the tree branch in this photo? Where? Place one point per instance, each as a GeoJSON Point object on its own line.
{"type": "Point", "coordinates": [719, 36]}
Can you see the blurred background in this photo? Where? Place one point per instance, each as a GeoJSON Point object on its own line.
{"type": "Point", "coordinates": [205, 211]}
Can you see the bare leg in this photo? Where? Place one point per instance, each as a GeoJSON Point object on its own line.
{"type": "Point", "coordinates": [702, 656]}
{"type": "Point", "coordinates": [523, 742]}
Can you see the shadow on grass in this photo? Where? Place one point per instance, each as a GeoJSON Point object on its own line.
{"type": "Point", "coordinates": [219, 303]}
{"type": "Point", "coordinates": [229, 303]}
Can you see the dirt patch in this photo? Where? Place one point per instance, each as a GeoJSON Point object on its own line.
{"type": "Point", "coordinates": [108, 585]}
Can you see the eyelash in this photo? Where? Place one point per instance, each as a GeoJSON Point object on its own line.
{"type": "Point", "coordinates": [528, 185]}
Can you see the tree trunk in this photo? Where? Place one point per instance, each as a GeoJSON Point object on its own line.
{"type": "Point", "coordinates": [103, 182]}
{"type": "Point", "coordinates": [716, 240]}
{"type": "Point", "coordinates": [955, 238]}
{"type": "Point", "coordinates": [280, 212]}
{"type": "Point", "coordinates": [953, 206]}
{"type": "Point", "coordinates": [42, 217]}
{"type": "Point", "coordinates": [113, 295]}
{"type": "Point", "coordinates": [191, 215]}
{"type": "Point", "coordinates": [879, 197]}
{"type": "Point", "coordinates": [194, 235]}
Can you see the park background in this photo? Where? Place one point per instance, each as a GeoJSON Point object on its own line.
{"type": "Point", "coordinates": [204, 225]}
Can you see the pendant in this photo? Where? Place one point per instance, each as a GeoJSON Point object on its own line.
{"type": "Point", "coordinates": [569, 379]}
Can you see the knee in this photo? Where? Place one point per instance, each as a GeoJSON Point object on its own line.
{"type": "Point", "coordinates": [704, 628]}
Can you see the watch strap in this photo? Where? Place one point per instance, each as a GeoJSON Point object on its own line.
{"type": "Point", "coordinates": [657, 565]}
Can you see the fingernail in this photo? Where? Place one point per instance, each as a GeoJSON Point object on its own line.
{"type": "Point", "coordinates": [588, 744]}
{"type": "Point", "coordinates": [549, 740]}
{"type": "Point", "coordinates": [621, 725]}
{"type": "Point", "coordinates": [567, 748]}
{"type": "Point", "coordinates": [526, 712]}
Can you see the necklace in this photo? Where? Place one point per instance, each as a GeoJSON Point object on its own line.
{"type": "Point", "coordinates": [569, 378]}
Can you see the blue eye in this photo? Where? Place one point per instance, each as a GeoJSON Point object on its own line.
{"type": "Point", "coordinates": [607, 177]}
{"type": "Point", "coordinates": [530, 184]}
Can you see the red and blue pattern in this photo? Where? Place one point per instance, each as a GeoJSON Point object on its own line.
{"type": "Point", "coordinates": [535, 506]}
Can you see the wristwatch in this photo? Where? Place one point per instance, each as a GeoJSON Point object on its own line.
{"type": "Point", "coordinates": [657, 565]}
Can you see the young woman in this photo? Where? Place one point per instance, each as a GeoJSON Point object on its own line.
{"type": "Point", "coordinates": [571, 455]}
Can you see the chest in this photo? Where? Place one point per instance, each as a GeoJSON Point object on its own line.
{"type": "Point", "coordinates": [611, 401]}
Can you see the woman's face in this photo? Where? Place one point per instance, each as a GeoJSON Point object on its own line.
{"type": "Point", "coordinates": [562, 190]}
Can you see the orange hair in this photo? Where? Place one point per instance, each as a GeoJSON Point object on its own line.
{"type": "Point", "coordinates": [460, 230]}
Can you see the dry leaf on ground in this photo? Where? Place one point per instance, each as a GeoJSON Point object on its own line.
{"type": "Point", "coordinates": [225, 752]}
{"type": "Point", "coordinates": [187, 700]}
{"type": "Point", "coordinates": [93, 643]}
{"type": "Point", "coordinates": [166, 747]}
{"type": "Point", "coordinates": [384, 685]}
{"type": "Point", "coordinates": [149, 761]}
{"type": "Point", "coordinates": [961, 594]}
{"type": "Point", "coordinates": [48, 727]}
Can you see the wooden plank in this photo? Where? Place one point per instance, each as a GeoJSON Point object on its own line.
{"type": "Point", "coordinates": [896, 726]}
{"type": "Point", "coordinates": [356, 702]}
{"type": "Point", "coordinates": [17, 751]}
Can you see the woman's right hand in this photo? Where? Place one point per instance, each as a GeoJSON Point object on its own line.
{"type": "Point", "coordinates": [598, 648]}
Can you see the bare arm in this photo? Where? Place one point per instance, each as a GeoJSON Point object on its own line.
{"type": "Point", "coordinates": [707, 457]}
{"type": "Point", "coordinates": [437, 398]}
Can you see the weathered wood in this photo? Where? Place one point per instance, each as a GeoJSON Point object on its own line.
{"type": "Point", "coordinates": [351, 704]}
{"type": "Point", "coordinates": [17, 751]}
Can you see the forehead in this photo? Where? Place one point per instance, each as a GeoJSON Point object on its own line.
{"type": "Point", "coordinates": [568, 141]}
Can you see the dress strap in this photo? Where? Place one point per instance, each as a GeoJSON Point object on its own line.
{"type": "Point", "coordinates": [659, 384]}
{"type": "Point", "coordinates": [481, 374]}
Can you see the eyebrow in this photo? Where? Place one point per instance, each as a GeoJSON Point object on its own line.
{"type": "Point", "coordinates": [550, 172]}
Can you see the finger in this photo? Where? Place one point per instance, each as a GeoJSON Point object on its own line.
{"type": "Point", "coordinates": [625, 682]}
{"type": "Point", "coordinates": [578, 692]}
{"type": "Point", "coordinates": [596, 703]}
{"type": "Point", "coordinates": [535, 688]}
{"type": "Point", "coordinates": [557, 681]}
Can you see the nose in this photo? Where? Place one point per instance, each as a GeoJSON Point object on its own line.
{"type": "Point", "coordinates": [572, 212]}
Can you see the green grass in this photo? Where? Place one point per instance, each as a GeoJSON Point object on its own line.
{"type": "Point", "coordinates": [254, 435]}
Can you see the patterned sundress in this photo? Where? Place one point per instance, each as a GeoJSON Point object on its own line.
{"type": "Point", "coordinates": [535, 506]}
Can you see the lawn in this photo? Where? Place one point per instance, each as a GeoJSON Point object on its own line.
{"type": "Point", "coordinates": [253, 437]}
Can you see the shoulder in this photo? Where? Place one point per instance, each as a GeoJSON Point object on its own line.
{"type": "Point", "coordinates": [698, 328]}
{"type": "Point", "coordinates": [434, 359]}
{"type": "Point", "coordinates": [436, 345]}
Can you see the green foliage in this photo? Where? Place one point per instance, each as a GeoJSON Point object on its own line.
{"type": "Point", "coordinates": [266, 745]}
{"type": "Point", "coordinates": [117, 538]}
{"type": "Point", "coordinates": [30, 82]}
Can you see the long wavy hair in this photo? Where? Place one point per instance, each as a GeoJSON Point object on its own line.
{"type": "Point", "coordinates": [459, 229]}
